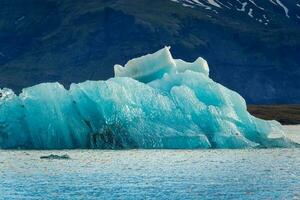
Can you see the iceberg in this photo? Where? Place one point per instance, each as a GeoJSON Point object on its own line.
{"type": "Point", "coordinates": [154, 101]}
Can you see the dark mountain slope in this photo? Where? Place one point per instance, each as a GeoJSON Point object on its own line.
{"type": "Point", "coordinates": [72, 41]}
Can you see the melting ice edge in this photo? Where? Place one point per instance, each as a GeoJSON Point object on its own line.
{"type": "Point", "coordinates": [154, 101]}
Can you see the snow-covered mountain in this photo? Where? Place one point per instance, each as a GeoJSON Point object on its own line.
{"type": "Point", "coordinates": [252, 46]}
{"type": "Point", "coordinates": [261, 11]}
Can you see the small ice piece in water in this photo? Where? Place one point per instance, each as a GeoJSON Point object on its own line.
{"type": "Point", "coordinates": [54, 156]}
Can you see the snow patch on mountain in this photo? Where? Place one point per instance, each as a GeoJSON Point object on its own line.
{"type": "Point", "coordinates": [286, 10]}
{"type": "Point", "coordinates": [258, 10]}
{"type": "Point", "coordinates": [250, 12]}
{"type": "Point", "coordinates": [243, 7]}
{"type": "Point", "coordinates": [214, 3]}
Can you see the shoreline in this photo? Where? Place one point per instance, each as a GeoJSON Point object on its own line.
{"type": "Point", "coordinates": [285, 114]}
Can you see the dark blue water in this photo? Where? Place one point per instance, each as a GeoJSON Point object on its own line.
{"type": "Point", "coordinates": [152, 174]}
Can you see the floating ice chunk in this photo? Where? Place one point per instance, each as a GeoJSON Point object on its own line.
{"type": "Point", "coordinates": [155, 101]}
{"type": "Point", "coordinates": [58, 157]}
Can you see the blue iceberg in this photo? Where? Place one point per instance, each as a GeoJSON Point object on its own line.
{"type": "Point", "coordinates": [154, 101]}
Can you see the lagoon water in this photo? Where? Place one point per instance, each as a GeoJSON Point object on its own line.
{"type": "Point", "coordinates": [151, 174]}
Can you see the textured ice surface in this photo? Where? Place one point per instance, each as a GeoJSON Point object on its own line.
{"type": "Point", "coordinates": [154, 101]}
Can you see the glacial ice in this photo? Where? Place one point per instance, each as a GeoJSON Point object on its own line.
{"type": "Point", "coordinates": [154, 101]}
